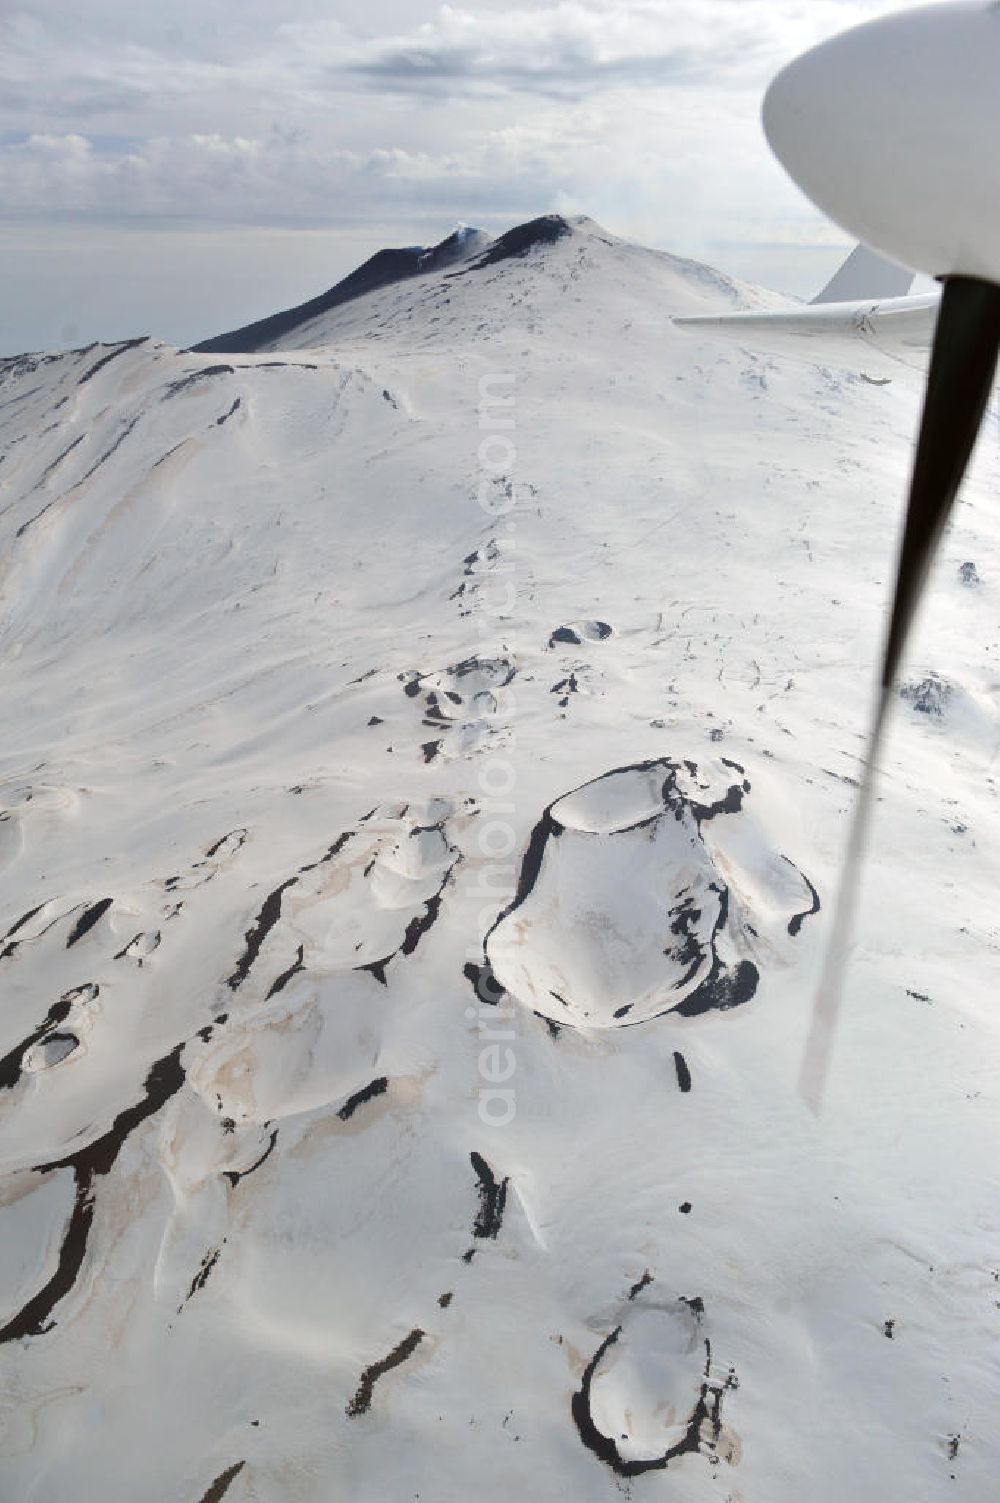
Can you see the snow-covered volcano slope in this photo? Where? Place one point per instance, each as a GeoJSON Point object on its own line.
{"type": "Point", "coordinates": [426, 757]}
{"type": "Point", "coordinates": [386, 268]}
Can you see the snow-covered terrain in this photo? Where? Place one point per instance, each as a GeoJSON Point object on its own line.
{"type": "Point", "coordinates": [428, 745]}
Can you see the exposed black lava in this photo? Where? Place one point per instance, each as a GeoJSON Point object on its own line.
{"type": "Point", "coordinates": [10, 1064]}
{"type": "Point", "coordinates": [334, 850]}
{"type": "Point", "coordinates": [235, 1175]}
{"type": "Point", "coordinates": [571, 637]}
{"type": "Point", "coordinates": [204, 1273]}
{"type": "Point", "coordinates": [131, 950]}
{"type": "Point", "coordinates": [221, 1485]}
{"type": "Point", "coordinates": [683, 1073]}
{"type": "Point", "coordinates": [415, 930]}
{"type": "Point", "coordinates": [24, 919]}
{"type": "Point", "coordinates": [163, 1080]}
{"type": "Point", "coordinates": [183, 383]}
{"type": "Point", "coordinates": [123, 435]}
{"type": "Point", "coordinates": [119, 349]}
{"type": "Point", "coordinates": [375, 1088]}
{"type": "Point", "coordinates": [258, 932]}
{"type": "Point", "coordinates": [238, 835]}
{"type": "Point", "coordinates": [168, 453]}
{"type": "Point", "coordinates": [485, 985]}
{"type": "Point", "coordinates": [492, 1199]}
{"type": "Point", "coordinates": [797, 919]}
{"type": "Point", "coordinates": [566, 686]}
{"type": "Point", "coordinates": [280, 982]}
{"type": "Point", "coordinates": [95, 466]}
{"type": "Point", "coordinates": [640, 1285]}
{"type": "Point", "coordinates": [545, 230]}
{"type": "Point", "coordinates": [55, 463]}
{"type": "Point", "coordinates": [87, 920]}
{"type": "Point", "coordinates": [722, 989]}
{"type": "Point", "coordinates": [237, 403]}
{"type": "Point", "coordinates": [361, 1402]}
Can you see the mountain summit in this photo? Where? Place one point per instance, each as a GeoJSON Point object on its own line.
{"type": "Point", "coordinates": [432, 295]}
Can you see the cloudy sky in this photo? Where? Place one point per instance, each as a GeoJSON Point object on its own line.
{"type": "Point", "coordinates": [182, 167]}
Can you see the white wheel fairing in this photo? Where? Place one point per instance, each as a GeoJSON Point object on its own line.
{"type": "Point", "coordinates": [893, 130]}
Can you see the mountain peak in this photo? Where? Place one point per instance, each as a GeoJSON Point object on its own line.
{"type": "Point", "coordinates": [384, 268]}
{"type": "Point", "coordinates": [466, 247]}
{"type": "Point", "coordinates": [546, 247]}
{"type": "Point", "coordinates": [545, 230]}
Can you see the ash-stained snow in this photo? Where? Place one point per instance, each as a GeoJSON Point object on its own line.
{"type": "Point", "coordinates": [428, 747]}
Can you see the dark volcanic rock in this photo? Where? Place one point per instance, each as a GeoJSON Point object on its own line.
{"type": "Point", "coordinates": [930, 695]}
{"type": "Point", "coordinates": [381, 270]}
{"type": "Point", "coordinates": [545, 230]}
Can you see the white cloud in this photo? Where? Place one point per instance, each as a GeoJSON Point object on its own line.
{"type": "Point", "coordinates": [576, 49]}
{"type": "Point", "coordinates": [309, 118]}
{"type": "Point", "coordinates": [278, 178]}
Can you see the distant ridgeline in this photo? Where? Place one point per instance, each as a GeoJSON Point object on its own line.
{"type": "Point", "coordinates": [385, 268]}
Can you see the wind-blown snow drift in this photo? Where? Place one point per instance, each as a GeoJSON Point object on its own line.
{"type": "Point", "coordinates": [319, 707]}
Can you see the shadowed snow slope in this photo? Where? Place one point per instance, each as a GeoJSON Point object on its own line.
{"type": "Point", "coordinates": [427, 751]}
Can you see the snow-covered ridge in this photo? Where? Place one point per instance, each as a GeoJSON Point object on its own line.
{"type": "Point", "coordinates": [415, 279]}
{"type": "Point", "coordinates": [384, 269]}
{"type": "Point", "coordinates": [344, 753]}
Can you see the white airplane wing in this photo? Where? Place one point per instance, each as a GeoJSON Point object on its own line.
{"type": "Point", "coordinates": [900, 329]}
